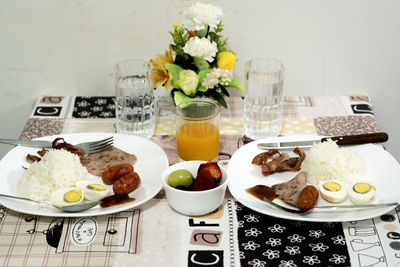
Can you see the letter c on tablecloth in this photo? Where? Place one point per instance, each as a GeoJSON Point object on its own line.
{"type": "Point", "coordinates": [39, 111]}
{"type": "Point", "coordinates": [205, 263]}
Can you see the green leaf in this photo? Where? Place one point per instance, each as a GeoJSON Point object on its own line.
{"type": "Point", "coordinates": [200, 63]}
{"type": "Point", "coordinates": [180, 97]}
{"type": "Point", "coordinates": [202, 75]}
{"type": "Point", "coordinates": [236, 84]}
{"type": "Point", "coordinates": [217, 96]}
{"type": "Point", "coordinates": [174, 70]}
{"type": "Point", "coordinates": [223, 90]}
{"type": "Point", "coordinates": [202, 33]}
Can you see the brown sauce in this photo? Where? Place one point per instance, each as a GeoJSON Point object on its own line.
{"type": "Point", "coordinates": [116, 200]}
{"type": "Point", "coordinates": [261, 191]}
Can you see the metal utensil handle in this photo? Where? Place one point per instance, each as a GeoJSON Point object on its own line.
{"type": "Point", "coordinates": [24, 198]}
{"type": "Point", "coordinates": [358, 206]}
{"type": "Point", "coordinates": [27, 143]}
{"type": "Point", "coordinates": [359, 139]}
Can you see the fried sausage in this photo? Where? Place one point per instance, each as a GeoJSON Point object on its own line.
{"type": "Point", "coordinates": [111, 175]}
{"type": "Point", "coordinates": [126, 183]}
{"type": "Point", "coordinates": [308, 198]}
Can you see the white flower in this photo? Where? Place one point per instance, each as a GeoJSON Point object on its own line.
{"type": "Point", "coordinates": [271, 254]}
{"type": "Point", "coordinates": [239, 206]}
{"type": "Point", "coordinates": [252, 232]}
{"type": "Point", "coordinates": [289, 263]}
{"type": "Point", "coordinates": [296, 238]}
{"type": "Point", "coordinates": [276, 228]}
{"type": "Point", "coordinates": [319, 247]}
{"type": "Point", "coordinates": [106, 114]}
{"type": "Point", "coordinates": [251, 245]}
{"type": "Point", "coordinates": [292, 250]}
{"type": "Point", "coordinates": [257, 263]}
{"type": "Point", "coordinates": [216, 76]}
{"type": "Point", "coordinates": [273, 242]}
{"type": "Point", "coordinates": [339, 240]}
{"type": "Point", "coordinates": [83, 104]}
{"type": "Point", "coordinates": [311, 260]}
{"type": "Point", "coordinates": [329, 224]}
{"type": "Point", "coordinates": [316, 233]}
{"type": "Point", "coordinates": [251, 217]}
{"type": "Point", "coordinates": [338, 259]}
{"type": "Point", "coordinates": [201, 47]}
{"type": "Point", "coordinates": [202, 15]}
{"type": "Point", "coordinates": [101, 101]}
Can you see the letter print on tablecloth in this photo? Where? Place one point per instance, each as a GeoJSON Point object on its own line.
{"type": "Point", "coordinates": [206, 237]}
{"type": "Point", "coordinates": [269, 241]}
{"type": "Point", "coordinates": [198, 258]}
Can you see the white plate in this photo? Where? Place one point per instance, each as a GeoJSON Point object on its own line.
{"type": "Point", "coordinates": [151, 162]}
{"type": "Point", "coordinates": [381, 168]}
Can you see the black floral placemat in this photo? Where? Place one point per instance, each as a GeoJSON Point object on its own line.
{"type": "Point", "coordinates": [94, 107]}
{"type": "Point", "coordinates": [268, 241]}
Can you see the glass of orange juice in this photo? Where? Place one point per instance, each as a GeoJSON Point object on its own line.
{"type": "Point", "coordinates": [197, 130]}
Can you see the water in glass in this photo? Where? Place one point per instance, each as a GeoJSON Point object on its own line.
{"type": "Point", "coordinates": [263, 105]}
{"type": "Point", "coordinates": [134, 106]}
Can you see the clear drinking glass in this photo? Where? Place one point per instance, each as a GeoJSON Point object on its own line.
{"type": "Point", "coordinates": [134, 104]}
{"type": "Point", "coordinates": [263, 98]}
{"type": "Point", "coordinates": [197, 130]}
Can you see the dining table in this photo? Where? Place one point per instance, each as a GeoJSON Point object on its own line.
{"type": "Point", "coordinates": [153, 234]}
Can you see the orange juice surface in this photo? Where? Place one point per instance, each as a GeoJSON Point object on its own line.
{"type": "Point", "coordinates": [197, 141]}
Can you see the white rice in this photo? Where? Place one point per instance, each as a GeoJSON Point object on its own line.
{"type": "Point", "coordinates": [326, 161]}
{"type": "Point", "coordinates": [57, 169]}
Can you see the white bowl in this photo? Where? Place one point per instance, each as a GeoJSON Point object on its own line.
{"type": "Point", "coordinates": [194, 203]}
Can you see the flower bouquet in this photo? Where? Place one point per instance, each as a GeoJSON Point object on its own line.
{"type": "Point", "coordinates": [197, 64]}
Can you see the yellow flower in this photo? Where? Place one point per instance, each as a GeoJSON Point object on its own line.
{"type": "Point", "coordinates": [226, 60]}
{"type": "Point", "coordinates": [176, 25]}
{"type": "Point", "coordinates": [160, 75]}
{"type": "Point", "coordinates": [188, 81]}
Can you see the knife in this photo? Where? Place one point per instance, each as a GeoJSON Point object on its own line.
{"type": "Point", "coordinates": [27, 143]}
{"type": "Point", "coordinates": [343, 140]}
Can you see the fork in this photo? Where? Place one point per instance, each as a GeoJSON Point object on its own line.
{"type": "Point", "coordinates": [332, 207]}
{"type": "Point", "coordinates": [89, 147]}
{"type": "Point", "coordinates": [297, 211]}
{"type": "Point", "coordinates": [96, 146]}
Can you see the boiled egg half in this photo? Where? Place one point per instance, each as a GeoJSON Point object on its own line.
{"type": "Point", "coordinates": [362, 192]}
{"type": "Point", "coordinates": [93, 191]}
{"type": "Point", "coordinates": [67, 196]}
{"type": "Point", "coordinates": [333, 191]}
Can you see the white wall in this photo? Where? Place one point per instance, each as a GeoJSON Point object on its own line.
{"type": "Point", "coordinates": [330, 47]}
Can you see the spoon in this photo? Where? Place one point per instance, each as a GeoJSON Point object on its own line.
{"type": "Point", "coordinates": [70, 208]}
{"type": "Point", "coordinates": [331, 207]}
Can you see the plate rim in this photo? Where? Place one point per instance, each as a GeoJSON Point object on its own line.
{"type": "Point", "coordinates": [88, 213]}
{"type": "Point", "coordinates": [269, 210]}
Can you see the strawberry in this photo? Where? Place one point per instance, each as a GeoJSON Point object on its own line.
{"type": "Point", "coordinates": [213, 171]}
{"type": "Point", "coordinates": [203, 181]}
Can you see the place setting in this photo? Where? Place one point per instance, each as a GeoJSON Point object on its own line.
{"type": "Point", "coordinates": [204, 153]}
{"type": "Point", "coordinates": [198, 81]}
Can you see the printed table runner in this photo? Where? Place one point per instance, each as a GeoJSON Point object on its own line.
{"type": "Point", "coordinates": [233, 235]}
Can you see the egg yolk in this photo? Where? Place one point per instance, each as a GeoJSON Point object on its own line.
{"type": "Point", "coordinates": [73, 196]}
{"type": "Point", "coordinates": [332, 186]}
{"type": "Point", "coordinates": [96, 187]}
{"type": "Point", "coordinates": [362, 188]}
